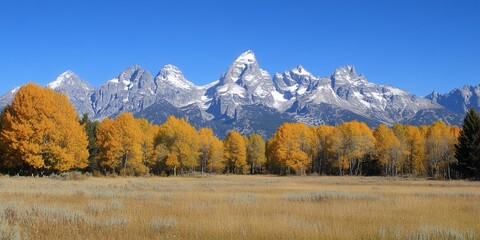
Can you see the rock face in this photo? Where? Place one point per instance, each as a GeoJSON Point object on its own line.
{"type": "Point", "coordinates": [459, 99]}
{"type": "Point", "coordinates": [78, 91]}
{"type": "Point", "coordinates": [246, 98]}
{"type": "Point", "coordinates": [132, 90]}
{"type": "Point", "coordinates": [244, 83]}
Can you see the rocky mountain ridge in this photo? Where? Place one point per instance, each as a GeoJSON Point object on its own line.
{"type": "Point", "coordinates": [248, 99]}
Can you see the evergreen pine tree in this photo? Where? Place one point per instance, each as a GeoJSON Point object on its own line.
{"type": "Point", "coordinates": [91, 130]}
{"type": "Point", "coordinates": [468, 147]}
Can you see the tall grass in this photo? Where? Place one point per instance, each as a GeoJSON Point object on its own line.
{"type": "Point", "coordinates": [238, 207]}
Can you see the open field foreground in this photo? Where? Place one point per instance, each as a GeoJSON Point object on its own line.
{"type": "Point", "coordinates": [238, 207]}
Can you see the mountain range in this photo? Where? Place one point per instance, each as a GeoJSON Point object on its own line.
{"type": "Point", "coordinates": [248, 99]}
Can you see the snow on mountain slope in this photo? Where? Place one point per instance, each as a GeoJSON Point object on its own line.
{"type": "Point", "coordinates": [134, 89]}
{"type": "Point", "coordinates": [78, 91]}
{"type": "Point", "coordinates": [244, 83]}
{"type": "Point", "coordinates": [247, 98]}
{"type": "Point", "coordinates": [176, 89]}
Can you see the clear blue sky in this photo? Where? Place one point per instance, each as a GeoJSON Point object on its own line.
{"type": "Point", "coordinates": [417, 45]}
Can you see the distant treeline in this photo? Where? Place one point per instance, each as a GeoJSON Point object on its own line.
{"type": "Point", "coordinates": [40, 134]}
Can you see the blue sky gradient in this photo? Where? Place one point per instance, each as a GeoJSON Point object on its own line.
{"type": "Point", "coordinates": [418, 46]}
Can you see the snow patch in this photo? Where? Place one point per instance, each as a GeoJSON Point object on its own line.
{"type": "Point", "coordinates": [247, 57]}
{"type": "Point", "coordinates": [301, 71]}
{"type": "Point", "coordinates": [55, 84]}
{"type": "Point", "coordinates": [301, 90]}
{"type": "Point", "coordinates": [259, 91]}
{"type": "Point", "coordinates": [395, 91]}
{"type": "Point", "coordinates": [172, 75]}
{"type": "Point", "coordinates": [278, 97]}
{"type": "Point", "coordinates": [15, 90]}
{"type": "Point", "coordinates": [113, 80]}
{"type": "Point", "coordinates": [232, 89]}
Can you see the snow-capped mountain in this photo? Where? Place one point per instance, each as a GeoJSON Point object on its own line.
{"type": "Point", "coordinates": [459, 99]}
{"type": "Point", "coordinates": [246, 98]}
{"type": "Point", "coordinates": [78, 91]}
{"type": "Point", "coordinates": [244, 83]}
{"type": "Point", "coordinates": [176, 89]}
{"type": "Point", "coordinates": [134, 89]}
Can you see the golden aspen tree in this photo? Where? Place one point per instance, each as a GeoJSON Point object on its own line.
{"type": "Point", "coordinates": [120, 145]}
{"type": "Point", "coordinates": [256, 153]}
{"type": "Point", "coordinates": [172, 162]}
{"type": "Point", "coordinates": [211, 151]}
{"type": "Point", "coordinates": [147, 138]}
{"type": "Point", "coordinates": [324, 148]}
{"type": "Point", "coordinates": [235, 152]}
{"type": "Point", "coordinates": [182, 143]}
{"type": "Point", "coordinates": [41, 132]}
{"type": "Point", "coordinates": [437, 148]}
{"type": "Point", "coordinates": [273, 164]}
{"type": "Point", "coordinates": [355, 140]}
{"type": "Point", "coordinates": [415, 146]}
{"type": "Point", "coordinates": [400, 152]}
{"type": "Point", "coordinates": [215, 162]}
{"type": "Point", "coordinates": [292, 146]}
{"type": "Point", "coordinates": [453, 133]}
{"type": "Point", "coordinates": [385, 144]}
{"type": "Point", "coordinates": [107, 145]}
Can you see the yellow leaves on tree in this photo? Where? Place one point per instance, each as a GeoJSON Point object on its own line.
{"type": "Point", "coordinates": [180, 141]}
{"type": "Point", "coordinates": [354, 140]}
{"type": "Point", "coordinates": [255, 153]}
{"type": "Point", "coordinates": [292, 147]}
{"type": "Point", "coordinates": [211, 149]}
{"type": "Point", "coordinates": [325, 137]}
{"type": "Point", "coordinates": [386, 145]}
{"type": "Point", "coordinates": [235, 152]}
{"type": "Point", "coordinates": [41, 132]}
{"type": "Point", "coordinates": [440, 148]}
{"type": "Point", "coordinates": [415, 146]}
{"type": "Point", "coordinates": [147, 137]}
{"type": "Point", "coordinates": [120, 143]}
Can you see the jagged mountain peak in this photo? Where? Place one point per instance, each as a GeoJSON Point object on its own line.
{"type": "Point", "coordinates": [247, 57]}
{"type": "Point", "coordinates": [132, 76]}
{"type": "Point", "coordinates": [170, 67]}
{"type": "Point", "coordinates": [301, 71]}
{"type": "Point", "coordinates": [433, 95]}
{"type": "Point", "coordinates": [244, 71]}
{"type": "Point", "coordinates": [246, 97]}
{"type": "Point", "coordinates": [171, 74]}
{"type": "Point", "coordinates": [67, 77]}
{"type": "Point", "coordinates": [348, 70]}
{"type": "Point", "coordinates": [132, 70]}
{"type": "Point", "coordinates": [347, 75]}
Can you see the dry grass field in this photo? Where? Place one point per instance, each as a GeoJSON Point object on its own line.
{"type": "Point", "coordinates": [238, 207]}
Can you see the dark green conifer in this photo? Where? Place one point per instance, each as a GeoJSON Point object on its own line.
{"type": "Point", "coordinates": [468, 148]}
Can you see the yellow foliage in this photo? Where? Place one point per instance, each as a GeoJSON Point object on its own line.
{"type": "Point", "coordinates": [41, 131]}
{"type": "Point", "coordinates": [181, 141]}
{"type": "Point", "coordinates": [292, 146]}
{"type": "Point", "coordinates": [354, 140]}
{"type": "Point", "coordinates": [415, 146]}
{"type": "Point", "coordinates": [120, 145]}
{"type": "Point", "coordinates": [211, 149]}
{"type": "Point", "coordinates": [386, 145]}
{"type": "Point", "coordinates": [324, 139]}
{"type": "Point", "coordinates": [235, 152]}
{"type": "Point", "coordinates": [255, 152]}
{"type": "Point", "coordinates": [440, 148]}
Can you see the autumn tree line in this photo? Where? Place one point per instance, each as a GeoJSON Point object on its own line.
{"type": "Point", "coordinates": [40, 134]}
